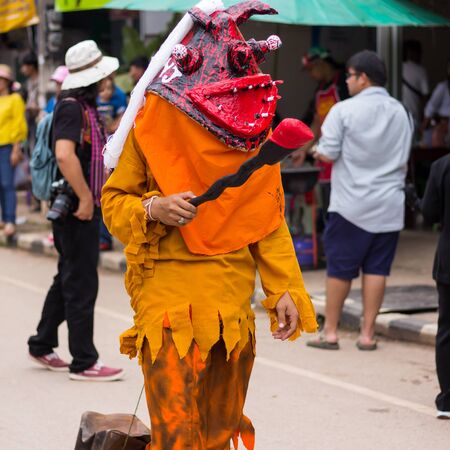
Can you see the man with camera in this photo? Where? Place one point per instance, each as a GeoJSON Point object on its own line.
{"type": "Point", "coordinates": [368, 139]}
{"type": "Point", "coordinates": [78, 139]}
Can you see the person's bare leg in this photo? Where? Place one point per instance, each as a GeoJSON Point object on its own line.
{"type": "Point", "coordinates": [373, 294]}
{"type": "Point", "coordinates": [337, 291]}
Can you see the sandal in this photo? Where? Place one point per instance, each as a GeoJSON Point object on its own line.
{"type": "Point", "coordinates": [323, 344]}
{"type": "Point", "coordinates": [9, 229]}
{"type": "Point", "coordinates": [366, 347]}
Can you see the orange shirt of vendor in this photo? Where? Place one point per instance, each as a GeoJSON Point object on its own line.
{"type": "Point", "coordinates": [325, 99]}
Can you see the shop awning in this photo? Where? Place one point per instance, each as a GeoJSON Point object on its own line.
{"type": "Point", "coordinates": [296, 12]}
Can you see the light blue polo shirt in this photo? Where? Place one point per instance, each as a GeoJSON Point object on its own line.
{"type": "Point", "coordinates": [368, 137]}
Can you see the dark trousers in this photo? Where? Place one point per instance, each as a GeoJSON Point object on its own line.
{"type": "Point", "coordinates": [73, 293]}
{"type": "Point", "coordinates": [443, 348]}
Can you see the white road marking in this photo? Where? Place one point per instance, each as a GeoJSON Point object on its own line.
{"type": "Point", "coordinates": [376, 395]}
{"type": "Point", "coordinates": [315, 376]}
{"type": "Point", "coordinates": [38, 290]}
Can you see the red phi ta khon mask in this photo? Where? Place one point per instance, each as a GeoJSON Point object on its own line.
{"type": "Point", "coordinates": [214, 77]}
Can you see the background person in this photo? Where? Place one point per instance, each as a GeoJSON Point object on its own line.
{"type": "Point", "coordinates": [436, 209]}
{"type": "Point", "coordinates": [368, 138]}
{"type": "Point", "coordinates": [331, 89]}
{"type": "Point", "coordinates": [29, 68]}
{"type": "Point", "coordinates": [137, 68]}
{"type": "Point", "coordinates": [58, 77]}
{"type": "Point", "coordinates": [13, 130]}
{"type": "Point", "coordinates": [78, 141]}
{"type": "Point", "coordinates": [111, 113]}
{"type": "Point", "coordinates": [34, 105]}
{"type": "Point", "coordinates": [437, 112]}
{"type": "Point", "coordinates": [415, 89]}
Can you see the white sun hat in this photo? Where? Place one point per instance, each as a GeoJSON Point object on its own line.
{"type": "Point", "coordinates": [87, 65]}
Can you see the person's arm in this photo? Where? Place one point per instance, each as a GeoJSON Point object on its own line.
{"type": "Point", "coordinates": [70, 167]}
{"type": "Point", "coordinates": [127, 192]}
{"type": "Point", "coordinates": [329, 148]}
{"type": "Point", "coordinates": [288, 304]}
{"type": "Point", "coordinates": [298, 157]}
{"type": "Point", "coordinates": [18, 128]}
{"type": "Point", "coordinates": [115, 123]}
{"type": "Point", "coordinates": [435, 102]}
{"type": "Point", "coordinates": [431, 202]}
{"type": "Point", "coordinates": [124, 192]}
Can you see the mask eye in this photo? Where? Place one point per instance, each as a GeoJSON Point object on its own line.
{"type": "Point", "coordinates": [188, 59]}
{"type": "Point", "coordinates": [240, 54]}
{"type": "Point", "coordinates": [260, 48]}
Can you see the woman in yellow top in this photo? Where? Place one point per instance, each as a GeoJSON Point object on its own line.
{"type": "Point", "coordinates": [13, 130]}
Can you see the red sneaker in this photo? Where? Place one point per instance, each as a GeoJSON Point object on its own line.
{"type": "Point", "coordinates": [105, 247]}
{"type": "Point", "coordinates": [98, 372]}
{"type": "Point", "coordinates": [51, 362]}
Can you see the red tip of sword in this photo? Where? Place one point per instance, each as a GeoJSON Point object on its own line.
{"type": "Point", "coordinates": [291, 133]}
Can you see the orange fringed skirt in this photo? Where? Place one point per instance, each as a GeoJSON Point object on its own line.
{"type": "Point", "coordinates": [196, 404]}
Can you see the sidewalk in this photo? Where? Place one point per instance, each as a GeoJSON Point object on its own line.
{"type": "Point", "coordinates": [409, 311]}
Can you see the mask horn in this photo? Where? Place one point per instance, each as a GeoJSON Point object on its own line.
{"type": "Point", "coordinates": [241, 12]}
{"type": "Point", "coordinates": [261, 48]}
{"type": "Point", "coordinates": [188, 59]}
{"type": "Point", "coordinates": [201, 18]}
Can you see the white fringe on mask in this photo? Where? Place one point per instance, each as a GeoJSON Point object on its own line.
{"type": "Point", "coordinates": [114, 146]}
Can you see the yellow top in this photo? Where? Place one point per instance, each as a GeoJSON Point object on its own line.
{"type": "Point", "coordinates": [13, 127]}
{"type": "Point", "coordinates": [201, 296]}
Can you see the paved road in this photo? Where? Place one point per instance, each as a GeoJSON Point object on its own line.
{"type": "Point", "coordinates": [299, 398]}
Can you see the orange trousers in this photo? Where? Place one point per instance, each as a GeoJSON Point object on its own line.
{"type": "Point", "coordinates": [195, 404]}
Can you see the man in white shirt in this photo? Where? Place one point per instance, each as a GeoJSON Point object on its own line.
{"type": "Point", "coordinates": [368, 138]}
{"type": "Point", "coordinates": [415, 87]}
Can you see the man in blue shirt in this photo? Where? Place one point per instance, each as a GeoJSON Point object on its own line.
{"type": "Point", "coordinates": [368, 139]}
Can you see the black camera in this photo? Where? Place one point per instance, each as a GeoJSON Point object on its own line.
{"type": "Point", "coordinates": [63, 201]}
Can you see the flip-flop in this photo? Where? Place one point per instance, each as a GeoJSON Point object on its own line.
{"type": "Point", "coordinates": [323, 344]}
{"type": "Point", "coordinates": [366, 347]}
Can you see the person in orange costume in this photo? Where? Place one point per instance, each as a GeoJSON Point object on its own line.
{"type": "Point", "coordinates": [191, 271]}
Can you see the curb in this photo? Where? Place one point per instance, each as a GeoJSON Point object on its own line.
{"type": "Point", "coordinates": [399, 326]}
{"type": "Point", "coordinates": [38, 244]}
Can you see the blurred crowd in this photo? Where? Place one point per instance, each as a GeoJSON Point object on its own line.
{"type": "Point", "coordinates": [22, 107]}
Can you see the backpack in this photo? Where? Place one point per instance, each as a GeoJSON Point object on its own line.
{"type": "Point", "coordinates": [43, 167]}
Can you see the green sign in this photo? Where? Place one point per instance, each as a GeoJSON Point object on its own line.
{"type": "Point", "coordinates": [76, 5]}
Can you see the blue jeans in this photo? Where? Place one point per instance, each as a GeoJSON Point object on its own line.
{"type": "Point", "coordinates": [8, 199]}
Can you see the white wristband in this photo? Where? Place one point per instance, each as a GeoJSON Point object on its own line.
{"type": "Point", "coordinates": [148, 208]}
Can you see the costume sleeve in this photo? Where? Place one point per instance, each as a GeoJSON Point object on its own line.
{"type": "Point", "coordinates": [279, 271]}
{"type": "Point", "coordinates": [330, 144]}
{"type": "Point", "coordinates": [123, 213]}
{"type": "Point", "coordinates": [18, 123]}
